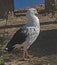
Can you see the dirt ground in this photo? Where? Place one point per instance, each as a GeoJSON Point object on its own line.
{"type": "Point", "coordinates": [44, 50]}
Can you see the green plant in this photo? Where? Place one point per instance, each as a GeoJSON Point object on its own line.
{"type": "Point", "coordinates": [1, 61]}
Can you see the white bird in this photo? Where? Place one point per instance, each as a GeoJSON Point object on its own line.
{"type": "Point", "coordinates": [27, 34]}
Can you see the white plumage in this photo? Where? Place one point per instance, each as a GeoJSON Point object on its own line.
{"type": "Point", "coordinates": [27, 34]}
{"type": "Point", "coordinates": [32, 28]}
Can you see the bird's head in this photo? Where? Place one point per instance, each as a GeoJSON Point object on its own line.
{"type": "Point", "coordinates": [32, 11]}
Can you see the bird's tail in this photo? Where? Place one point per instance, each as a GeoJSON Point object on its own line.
{"type": "Point", "coordinates": [9, 47]}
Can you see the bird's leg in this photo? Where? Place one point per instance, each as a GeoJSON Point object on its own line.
{"type": "Point", "coordinates": [25, 54]}
{"type": "Point", "coordinates": [28, 55]}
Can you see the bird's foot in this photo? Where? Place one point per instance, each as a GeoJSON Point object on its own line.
{"type": "Point", "coordinates": [24, 59]}
{"type": "Point", "coordinates": [29, 56]}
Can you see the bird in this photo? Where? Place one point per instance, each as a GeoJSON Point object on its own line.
{"type": "Point", "coordinates": [27, 34]}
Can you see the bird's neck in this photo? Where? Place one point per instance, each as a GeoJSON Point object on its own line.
{"type": "Point", "coordinates": [34, 19]}
{"type": "Point", "coordinates": [31, 17]}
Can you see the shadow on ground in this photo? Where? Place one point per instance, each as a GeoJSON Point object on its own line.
{"type": "Point", "coordinates": [46, 44]}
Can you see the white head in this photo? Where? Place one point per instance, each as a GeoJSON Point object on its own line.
{"type": "Point", "coordinates": [31, 12]}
